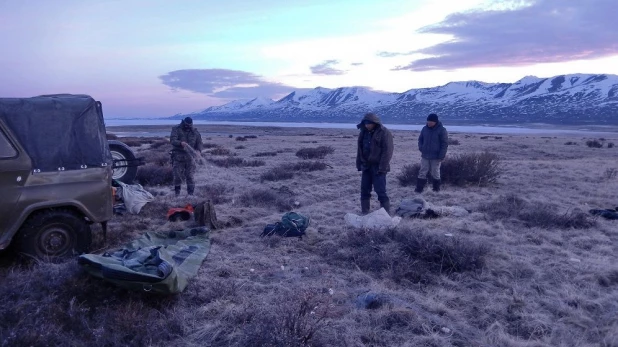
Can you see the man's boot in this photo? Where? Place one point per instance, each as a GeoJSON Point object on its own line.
{"type": "Point", "coordinates": [420, 185]}
{"type": "Point", "coordinates": [436, 185]}
{"type": "Point", "coordinates": [190, 189]}
{"type": "Point", "coordinates": [177, 190]}
{"type": "Point", "coordinates": [386, 205]}
{"type": "Point", "coordinates": [365, 206]}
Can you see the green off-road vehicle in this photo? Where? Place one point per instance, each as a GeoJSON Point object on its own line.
{"type": "Point", "coordinates": [56, 172]}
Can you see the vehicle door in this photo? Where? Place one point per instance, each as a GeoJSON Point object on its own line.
{"type": "Point", "coordinates": [15, 168]}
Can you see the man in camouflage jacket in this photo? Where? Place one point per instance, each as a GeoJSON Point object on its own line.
{"type": "Point", "coordinates": [184, 138]}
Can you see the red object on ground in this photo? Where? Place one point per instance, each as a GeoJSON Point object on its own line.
{"type": "Point", "coordinates": [180, 213]}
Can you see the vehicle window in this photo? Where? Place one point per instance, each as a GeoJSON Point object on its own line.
{"type": "Point", "coordinates": [6, 149]}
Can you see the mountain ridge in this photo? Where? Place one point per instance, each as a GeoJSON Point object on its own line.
{"type": "Point", "coordinates": [564, 99]}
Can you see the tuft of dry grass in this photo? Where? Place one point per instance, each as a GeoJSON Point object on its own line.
{"type": "Point", "coordinates": [594, 144]}
{"type": "Point", "coordinates": [288, 170]}
{"type": "Point", "coordinates": [229, 162]}
{"type": "Point", "coordinates": [208, 145]}
{"type": "Point", "coordinates": [220, 151]}
{"type": "Point", "coordinates": [218, 193]}
{"type": "Point", "coordinates": [265, 198]}
{"type": "Point", "coordinates": [411, 254]}
{"type": "Point", "coordinates": [541, 215]}
{"type": "Point", "coordinates": [459, 170]}
{"type": "Point", "coordinates": [315, 153]}
{"type": "Point", "coordinates": [155, 175]}
{"type": "Point", "coordinates": [610, 173]}
{"type": "Point", "coordinates": [265, 154]}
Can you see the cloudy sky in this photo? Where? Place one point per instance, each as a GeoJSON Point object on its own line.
{"type": "Point", "coordinates": [156, 58]}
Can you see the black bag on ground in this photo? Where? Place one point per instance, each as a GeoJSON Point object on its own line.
{"type": "Point", "coordinates": [292, 225]}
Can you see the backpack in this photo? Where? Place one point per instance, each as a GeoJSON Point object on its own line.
{"type": "Point", "coordinates": [292, 225]}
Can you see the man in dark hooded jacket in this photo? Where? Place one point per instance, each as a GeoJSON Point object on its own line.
{"type": "Point", "coordinates": [432, 143]}
{"type": "Point", "coordinates": [184, 138]}
{"type": "Point", "coordinates": [373, 156]}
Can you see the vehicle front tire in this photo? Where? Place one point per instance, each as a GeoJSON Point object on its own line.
{"type": "Point", "coordinates": [54, 234]}
{"type": "Point", "coordinates": [122, 155]}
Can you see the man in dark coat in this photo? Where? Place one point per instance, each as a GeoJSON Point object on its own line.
{"type": "Point", "coordinates": [432, 143]}
{"type": "Point", "coordinates": [185, 138]}
{"type": "Point", "coordinates": [373, 156]}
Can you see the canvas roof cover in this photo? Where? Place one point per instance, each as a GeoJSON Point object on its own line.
{"type": "Point", "coordinates": [59, 132]}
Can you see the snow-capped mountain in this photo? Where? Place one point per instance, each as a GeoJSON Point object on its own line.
{"type": "Point", "coordinates": [571, 99]}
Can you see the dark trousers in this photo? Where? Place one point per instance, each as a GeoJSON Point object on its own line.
{"type": "Point", "coordinates": [183, 171]}
{"type": "Point", "coordinates": [371, 179]}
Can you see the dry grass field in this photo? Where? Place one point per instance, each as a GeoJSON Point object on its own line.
{"type": "Point", "coordinates": [528, 267]}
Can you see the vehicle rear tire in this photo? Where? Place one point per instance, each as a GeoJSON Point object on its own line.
{"type": "Point", "coordinates": [122, 155]}
{"type": "Point", "coordinates": [54, 234]}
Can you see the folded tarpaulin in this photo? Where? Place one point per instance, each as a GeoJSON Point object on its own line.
{"type": "Point", "coordinates": [159, 262]}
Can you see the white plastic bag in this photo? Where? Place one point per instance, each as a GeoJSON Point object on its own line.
{"type": "Point", "coordinates": [377, 220]}
{"type": "Point", "coordinates": [135, 197]}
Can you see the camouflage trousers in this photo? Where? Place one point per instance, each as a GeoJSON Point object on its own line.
{"type": "Point", "coordinates": [184, 171]}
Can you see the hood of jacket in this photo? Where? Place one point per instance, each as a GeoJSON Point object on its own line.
{"type": "Point", "coordinates": [370, 117]}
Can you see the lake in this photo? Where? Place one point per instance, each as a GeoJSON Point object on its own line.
{"type": "Point", "coordinates": [479, 129]}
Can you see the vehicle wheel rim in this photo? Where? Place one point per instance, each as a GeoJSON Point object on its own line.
{"type": "Point", "coordinates": [118, 172]}
{"type": "Point", "coordinates": [55, 240]}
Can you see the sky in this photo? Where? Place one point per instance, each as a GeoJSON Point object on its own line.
{"type": "Point", "coordinates": [158, 58]}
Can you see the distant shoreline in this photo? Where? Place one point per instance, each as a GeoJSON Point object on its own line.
{"type": "Point", "coordinates": [143, 127]}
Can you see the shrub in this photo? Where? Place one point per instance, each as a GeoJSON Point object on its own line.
{"type": "Point", "coordinates": [315, 153]}
{"type": "Point", "coordinates": [235, 162]}
{"type": "Point", "coordinates": [157, 158]}
{"type": "Point", "coordinates": [240, 138]}
{"type": "Point", "coordinates": [540, 215]}
{"type": "Point", "coordinates": [159, 144]}
{"type": "Point", "coordinates": [264, 198]}
{"type": "Point", "coordinates": [220, 151]}
{"type": "Point", "coordinates": [250, 137]}
{"type": "Point", "coordinates": [546, 216]}
{"type": "Point", "coordinates": [288, 170]}
{"type": "Point", "coordinates": [571, 143]}
{"type": "Point", "coordinates": [610, 173]}
{"type": "Point", "coordinates": [217, 192]}
{"type": "Point", "coordinates": [208, 145]}
{"type": "Point", "coordinates": [276, 175]}
{"type": "Point", "coordinates": [453, 142]}
{"type": "Point", "coordinates": [265, 154]}
{"type": "Point", "coordinates": [412, 255]}
{"type": "Point", "coordinates": [504, 207]}
{"type": "Point", "coordinates": [254, 163]}
{"type": "Point", "coordinates": [154, 175]}
{"type": "Point", "coordinates": [610, 145]}
{"type": "Point", "coordinates": [442, 254]}
{"type": "Point", "coordinates": [295, 319]}
{"type": "Point", "coordinates": [459, 170]}
{"type": "Point", "coordinates": [594, 144]}
{"type": "Point", "coordinates": [240, 147]}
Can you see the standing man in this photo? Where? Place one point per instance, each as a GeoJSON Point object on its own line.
{"type": "Point", "coordinates": [184, 138]}
{"type": "Point", "coordinates": [433, 143]}
{"type": "Point", "coordinates": [373, 156]}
